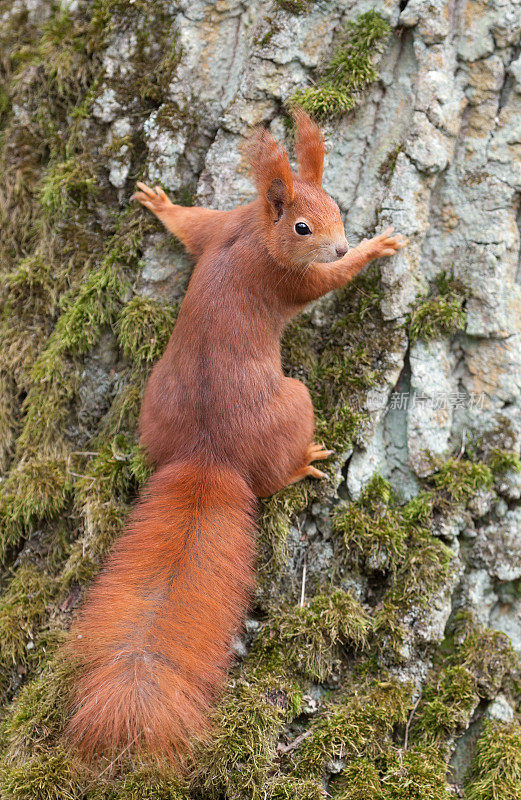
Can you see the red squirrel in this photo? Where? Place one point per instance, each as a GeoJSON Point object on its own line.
{"type": "Point", "coordinates": [222, 426]}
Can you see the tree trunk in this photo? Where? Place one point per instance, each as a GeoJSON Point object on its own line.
{"type": "Point", "coordinates": [381, 656]}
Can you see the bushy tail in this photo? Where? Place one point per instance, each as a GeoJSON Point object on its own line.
{"type": "Point", "coordinates": [153, 637]}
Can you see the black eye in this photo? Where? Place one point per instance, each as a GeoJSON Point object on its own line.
{"type": "Point", "coordinates": [302, 229]}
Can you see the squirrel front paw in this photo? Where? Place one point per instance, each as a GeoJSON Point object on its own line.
{"type": "Point", "coordinates": [385, 244]}
{"type": "Point", "coordinates": [155, 199]}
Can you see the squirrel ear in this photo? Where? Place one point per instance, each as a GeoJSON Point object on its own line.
{"type": "Point", "coordinates": [309, 147]}
{"type": "Point", "coordinates": [277, 195]}
{"type": "Point", "coordinates": [271, 172]}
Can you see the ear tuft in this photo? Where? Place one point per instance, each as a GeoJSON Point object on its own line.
{"type": "Point", "coordinates": [309, 147]}
{"type": "Point", "coordinates": [271, 171]}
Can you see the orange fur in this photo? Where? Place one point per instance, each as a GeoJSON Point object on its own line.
{"type": "Point", "coordinates": [151, 661]}
{"type": "Point", "coordinates": [309, 147]}
{"type": "Point", "coordinates": [222, 424]}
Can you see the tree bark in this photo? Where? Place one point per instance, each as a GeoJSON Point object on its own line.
{"type": "Point", "coordinates": [381, 655]}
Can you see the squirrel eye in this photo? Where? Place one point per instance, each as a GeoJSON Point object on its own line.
{"type": "Point", "coordinates": [302, 229]}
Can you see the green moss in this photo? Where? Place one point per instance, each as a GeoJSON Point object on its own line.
{"type": "Point", "coordinates": [116, 473]}
{"type": "Point", "coordinates": [447, 704]}
{"type": "Point", "coordinates": [276, 514]}
{"type": "Point", "coordinates": [42, 777]}
{"type": "Point", "coordinates": [295, 6]}
{"type": "Point", "coordinates": [99, 298]}
{"type": "Point", "coordinates": [103, 522]}
{"type": "Point", "coordinates": [237, 760]}
{"type": "Point", "coordinates": [39, 713]}
{"type": "Point", "coordinates": [496, 771]}
{"type": "Point", "coordinates": [7, 419]}
{"type": "Point", "coordinates": [108, 483]}
{"type": "Point", "coordinates": [473, 664]}
{"type": "Point", "coordinates": [324, 101]}
{"type": "Point", "coordinates": [290, 788]}
{"type": "Point", "coordinates": [342, 356]}
{"type": "Point", "coordinates": [386, 168]}
{"type": "Point", "coordinates": [414, 774]}
{"type": "Point", "coordinates": [377, 533]}
{"type": "Point", "coordinates": [66, 184]}
{"type": "Point", "coordinates": [360, 780]}
{"type": "Point", "coordinates": [441, 314]}
{"type": "Point", "coordinates": [419, 773]}
{"type": "Point", "coordinates": [437, 317]}
{"type": "Point", "coordinates": [22, 606]}
{"type": "Point", "coordinates": [59, 54]}
{"type": "Point", "coordinates": [459, 480]}
{"type": "Point", "coordinates": [35, 490]}
{"type": "Point", "coordinates": [143, 783]}
{"type": "Point", "coordinates": [488, 655]}
{"type": "Point", "coordinates": [350, 70]}
{"type": "Point", "coordinates": [33, 285]}
{"type": "Point", "coordinates": [307, 639]}
{"type": "Point", "coordinates": [361, 725]}
{"type": "Point", "coordinates": [394, 540]}
{"type": "Point", "coordinates": [504, 461]}
{"type": "Point", "coordinates": [144, 328]}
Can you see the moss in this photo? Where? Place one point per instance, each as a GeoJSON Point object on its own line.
{"type": "Point", "coordinates": [66, 257]}
{"type": "Point", "coordinates": [237, 760]}
{"type": "Point", "coordinates": [359, 725]}
{"type": "Point", "coordinates": [46, 406]}
{"type": "Point", "coordinates": [447, 704]}
{"type": "Point", "coordinates": [501, 461]}
{"type": "Point", "coordinates": [103, 522]}
{"type": "Point", "coordinates": [324, 101]}
{"type": "Point", "coordinates": [419, 773]}
{"type": "Point", "coordinates": [307, 639]}
{"type": "Point", "coordinates": [275, 517]}
{"type": "Point", "coordinates": [99, 298]}
{"type": "Point", "coordinates": [109, 482]}
{"type": "Point", "coordinates": [496, 770]}
{"type": "Point", "coordinates": [360, 780]}
{"type": "Point", "coordinates": [440, 315]}
{"type": "Point", "coordinates": [382, 537]}
{"type": "Point", "coordinates": [116, 472]}
{"type": "Point", "coordinates": [144, 328]}
{"type": "Point", "coordinates": [290, 788]}
{"type": "Point", "coordinates": [143, 783]}
{"type": "Point", "coordinates": [39, 713]}
{"type": "Point", "coordinates": [459, 480]}
{"type": "Point", "coordinates": [22, 606]}
{"type": "Point", "coordinates": [42, 777]}
{"type": "Point", "coordinates": [33, 286]}
{"type": "Point", "coordinates": [7, 419]}
{"type": "Point", "coordinates": [377, 532]}
{"type": "Point", "coordinates": [472, 665]}
{"type": "Point", "coordinates": [386, 168]}
{"type": "Point", "coordinates": [59, 54]}
{"type": "Point", "coordinates": [350, 70]}
{"type": "Point", "coordinates": [35, 490]}
{"type": "Point", "coordinates": [374, 533]}
{"type": "Point", "coordinates": [488, 655]}
{"type": "Point", "coordinates": [437, 317]}
{"type": "Point", "coordinates": [65, 184]}
{"type": "Point", "coordinates": [342, 356]}
{"type": "Point", "coordinates": [295, 6]}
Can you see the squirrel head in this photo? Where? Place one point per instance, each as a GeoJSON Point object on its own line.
{"type": "Point", "coordinates": [302, 222]}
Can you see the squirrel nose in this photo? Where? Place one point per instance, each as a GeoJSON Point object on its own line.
{"type": "Point", "coordinates": [341, 249]}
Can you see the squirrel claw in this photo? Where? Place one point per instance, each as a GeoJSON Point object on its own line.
{"type": "Point", "coordinates": [154, 199]}
{"type": "Point", "coordinates": [386, 244]}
